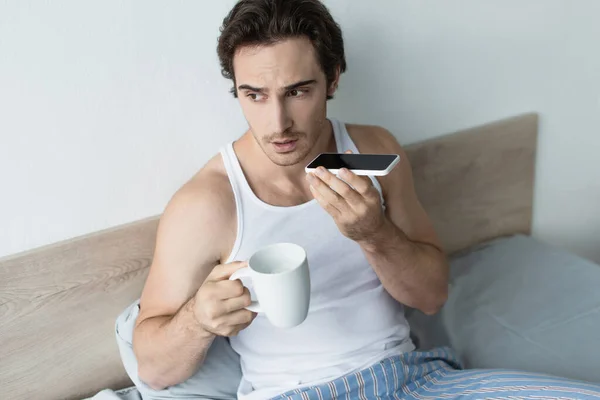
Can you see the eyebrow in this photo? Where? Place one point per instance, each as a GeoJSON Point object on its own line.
{"type": "Point", "coordinates": [286, 88]}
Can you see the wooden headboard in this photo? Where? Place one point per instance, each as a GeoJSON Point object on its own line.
{"type": "Point", "coordinates": [58, 304]}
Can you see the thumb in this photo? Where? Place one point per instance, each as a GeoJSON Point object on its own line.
{"type": "Point", "coordinates": [348, 152]}
{"type": "Point", "coordinates": [224, 271]}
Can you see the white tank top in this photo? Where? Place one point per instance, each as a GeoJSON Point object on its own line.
{"type": "Point", "coordinates": [352, 321]}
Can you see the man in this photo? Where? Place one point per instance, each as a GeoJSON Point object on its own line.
{"type": "Point", "coordinates": [370, 244]}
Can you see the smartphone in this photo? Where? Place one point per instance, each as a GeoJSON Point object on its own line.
{"type": "Point", "coordinates": [360, 164]}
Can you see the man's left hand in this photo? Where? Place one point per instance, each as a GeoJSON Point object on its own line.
{"type": "Point", "coordinates": [352, 201]}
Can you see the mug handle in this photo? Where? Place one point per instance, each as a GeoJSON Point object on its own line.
{"type": "Point", "coordinates": [245, 273]}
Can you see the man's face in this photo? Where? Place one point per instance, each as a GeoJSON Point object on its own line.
{"type": "Point", "coordinates": [282, 91]}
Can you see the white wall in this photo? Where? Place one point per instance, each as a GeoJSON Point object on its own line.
{"type": "Point", "coordinates": [106, 108]}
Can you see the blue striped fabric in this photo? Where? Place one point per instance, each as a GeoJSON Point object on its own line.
{"type": "Point", "coordinates": [437, 374]}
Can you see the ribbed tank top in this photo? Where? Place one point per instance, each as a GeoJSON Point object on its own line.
{"type": "Point", "coordinates": [352, 321]}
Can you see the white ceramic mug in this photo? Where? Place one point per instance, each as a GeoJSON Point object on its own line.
{"type": "Point", "coordinates": [281, 282]}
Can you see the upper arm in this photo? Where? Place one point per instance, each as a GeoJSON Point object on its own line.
{"type": "Point", "coordinates": [189, 243]}
{"type": "Point", "coordinates": [403, 207]}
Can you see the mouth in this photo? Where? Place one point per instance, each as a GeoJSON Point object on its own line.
{"type": "Point", "coordinates": [284, 146]}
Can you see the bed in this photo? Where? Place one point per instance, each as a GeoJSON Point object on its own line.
{"type": "Point", "coordinates": [58, 304]}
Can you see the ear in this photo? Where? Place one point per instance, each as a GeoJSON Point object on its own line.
{"type": "Point", "coordinates": [334, 84]}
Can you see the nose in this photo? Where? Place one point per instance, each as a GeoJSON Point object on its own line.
{"type": "Point", "coordinates": [281, 120]}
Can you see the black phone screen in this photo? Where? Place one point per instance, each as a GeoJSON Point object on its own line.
{"type": "Point", "coordinates": [374, 162]}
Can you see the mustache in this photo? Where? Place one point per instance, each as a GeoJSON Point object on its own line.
{"type": "Point", "coordinates": [287, 137]}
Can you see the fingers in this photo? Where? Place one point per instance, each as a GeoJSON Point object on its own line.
{"type": "Point", "coordinates": [338, 195]}
{"type": "Point", "coordinates": [339, 186]}
{"type": "Point", "coordinates": [232, 324]}
{"type": "Point", "coordinates": [331, 191]}
{"type": "Point", "coordinates": [220, 302]}
{"type": "Point", "coordinates": [328, 193]}
{"type": "Point", "coordinates": [228, 289]}
{"type": "Point", "coordinates": [240, 317]}
{"type": "Point", "coordinates": [221, 313]}
{"type": "Point", "coordinates": [361, 184]}
{"type": "Point", "coordinates": [235, 329]}
{"type": "Point", "coordinates": [224, 271]}
{"type": "Point", "coordinates": [237, 303]}
{"type": "Point", "coordinates": [326, 203]}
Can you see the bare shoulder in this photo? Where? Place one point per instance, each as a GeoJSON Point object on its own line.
{"type": "Point", "coordinates": [207, 193]}
{"type": "Point", "coordinates": [204, 202]}
{"type": "Point", "coordinates": [376, 139]}
{"type": "Point", "coordinates": [373, 139]}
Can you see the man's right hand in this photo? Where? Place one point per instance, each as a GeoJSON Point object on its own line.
{"type": "Point", "coordinates": [219, 304]}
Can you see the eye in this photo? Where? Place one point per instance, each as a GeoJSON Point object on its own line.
{"type": "Point", "coordinates": [297, 92]}
{"type": "Point", "coordinates": [255, 97]}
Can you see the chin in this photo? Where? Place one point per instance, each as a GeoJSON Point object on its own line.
{"type": "Point", "coordinates": [287, 159]}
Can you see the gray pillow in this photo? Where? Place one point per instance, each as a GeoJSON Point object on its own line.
{"type": "Point", "coordinates": [217, 379]}
{"type": "Point", "coordinates": [519, 303]}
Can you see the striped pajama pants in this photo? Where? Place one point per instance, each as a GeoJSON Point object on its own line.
{"type": "Point", "coordinates": [437, 374]}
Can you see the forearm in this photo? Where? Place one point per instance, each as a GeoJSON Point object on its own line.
{"type": "Point", "coordinates": [170, 349]}
{"type": "Point", "coordinates": [414, 273]}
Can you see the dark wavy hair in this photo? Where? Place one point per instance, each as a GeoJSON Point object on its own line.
{"type": "Point", "coordinates": [258, 22]}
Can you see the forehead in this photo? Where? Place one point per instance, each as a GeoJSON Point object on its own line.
{"type": "Point", "coordinates": [276, 65]}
